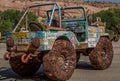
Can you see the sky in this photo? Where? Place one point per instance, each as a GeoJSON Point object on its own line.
{"type": "Point", "coordinates": [117, 1]}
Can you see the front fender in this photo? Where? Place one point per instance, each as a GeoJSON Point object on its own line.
{"type": "Point", "coordinates": [68, 35]}
{"type": "Point", "coordinates": [52, 36]}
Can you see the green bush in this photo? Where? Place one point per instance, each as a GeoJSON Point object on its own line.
{"type": "Point", "coordinates": [111, 17]}
{"type": "Point", "coordinates": [9, 19]}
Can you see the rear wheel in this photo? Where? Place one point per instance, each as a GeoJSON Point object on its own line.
{"type": "Point", "coordinates": [101, 56]}
{"type": "Point", "coordinates": [60, 62]}
{"type": "Point", "coordinates": [24, 69]}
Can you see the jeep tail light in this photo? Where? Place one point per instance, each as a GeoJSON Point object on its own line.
{"type": "Point", "coordinates": [10, 42]}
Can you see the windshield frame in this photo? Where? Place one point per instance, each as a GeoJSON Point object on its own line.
{"type": "Point", "coordinates": [79, 7]}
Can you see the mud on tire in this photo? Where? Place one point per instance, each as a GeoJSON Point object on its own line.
{"type": "Point", "coordinates": [101, 56]}
{"type": "Point", "coordinates": [24, 69]}
{"type": "Point", "coordinates": [60, 62]}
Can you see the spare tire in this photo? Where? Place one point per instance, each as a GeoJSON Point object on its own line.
{"type": "Point", "coordinates": [24, 69]}
{"type": "Point", "coordinates": [34, 26]}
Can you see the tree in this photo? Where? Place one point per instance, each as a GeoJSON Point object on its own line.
{"type": "Point", "coordinates": [111, 17]}
{"type": "Point", "coordinates": [5, 26]}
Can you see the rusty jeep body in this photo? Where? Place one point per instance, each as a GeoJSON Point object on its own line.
{"type": "Point", "coordinates": [56, 42]}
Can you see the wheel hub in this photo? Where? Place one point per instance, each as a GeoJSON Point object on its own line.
{"type": "Point", "coordinates": [104, 53]}
{"type": "Point", "coordinates": [61, 60]}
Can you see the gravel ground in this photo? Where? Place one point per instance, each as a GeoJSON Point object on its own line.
{"type": "Point", "coordinates": [83, 72]}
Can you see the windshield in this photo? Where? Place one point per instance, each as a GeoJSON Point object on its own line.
{"type": "Point", "coordinates": [73, 13]}
{"type": "Point", "coordinates": [69, 13]}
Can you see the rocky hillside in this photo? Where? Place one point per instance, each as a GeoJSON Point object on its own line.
{"type": "Point", "coordinates": [91, 7]}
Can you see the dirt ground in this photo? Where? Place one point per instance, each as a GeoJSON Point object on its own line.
{"type": "Point", "coordinates": [83, 71]}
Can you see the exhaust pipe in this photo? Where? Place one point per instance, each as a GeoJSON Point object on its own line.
{"type": "Point", "coordinates": [6, 56]}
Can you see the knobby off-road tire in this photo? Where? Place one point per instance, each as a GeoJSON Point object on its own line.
{"type": "Point", "coordinates": [24, 69]}
{"type": "Point", "coordinates": [102, 55]}
{"type": "Point", "coordinates": [34, 26]}
{"type": "Point", "coordinates": [60, 62]}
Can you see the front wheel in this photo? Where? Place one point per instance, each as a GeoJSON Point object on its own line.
{"type": "Point", "coordinates": [101, 56]}
{"type": "Point", "coordinates": [60, 62]}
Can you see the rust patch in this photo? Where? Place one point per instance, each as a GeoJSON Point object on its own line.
{"type": "Point", "coordinates": [36, 42]}
{"type": "Point", "coordinates": [25, 58]}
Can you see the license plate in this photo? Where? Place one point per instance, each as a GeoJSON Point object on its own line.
{"type": "Point", "coordinates": [23, 41]}
{"type": "Point", "coordinates": [22, 47]}
{"type": "Point", "coordinates": [82, 46]}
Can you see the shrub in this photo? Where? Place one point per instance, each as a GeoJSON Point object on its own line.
{"type": "Point", "coordinates": [9, 19]}
{"type": "Point", "coordinates": [111, 17]}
